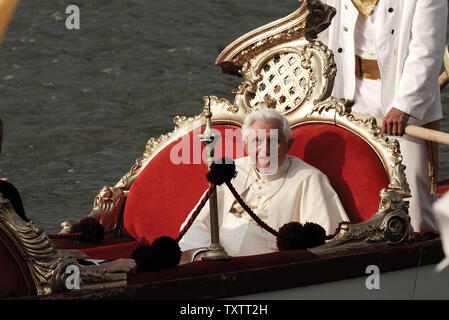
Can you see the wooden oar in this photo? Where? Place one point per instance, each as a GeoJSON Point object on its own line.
{"type": "Point", "coordinates": [414, 131]}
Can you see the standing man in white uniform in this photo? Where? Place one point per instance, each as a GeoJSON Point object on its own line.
{"type": "Point", "coordinates": [388, 55]}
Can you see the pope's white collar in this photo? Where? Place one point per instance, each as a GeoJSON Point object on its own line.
{"type": "Point", "coordinates": [280, 172]}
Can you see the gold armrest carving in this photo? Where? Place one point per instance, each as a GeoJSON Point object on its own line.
{"type": "Point", "coordinates": [388, 226]}
{"type": "Point", "coordinates": [48, 266]}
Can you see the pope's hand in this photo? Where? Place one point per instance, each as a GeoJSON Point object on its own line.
{"type": "Point", "coordinates": [120, 265]}
{"type": "Point", "coordinates": [394, 122]}
{"type": "Point", "coordinates": [199, 256]}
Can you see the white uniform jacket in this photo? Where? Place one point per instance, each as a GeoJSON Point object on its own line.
{"type": "Point", "coordinates": [410, 36]}
{"type": "Point", "coordinates": [305, 196]}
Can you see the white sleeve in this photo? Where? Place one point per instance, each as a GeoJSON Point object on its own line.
{"type": "Point", "coordinates": [425, 56]}
{"type": "Point", "coordinates": [196, 237]}
{"type": "Point", "coordinates": [320, 204]}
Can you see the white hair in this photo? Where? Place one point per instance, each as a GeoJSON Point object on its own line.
{"type": "Point", "coordinates": [266, 115]}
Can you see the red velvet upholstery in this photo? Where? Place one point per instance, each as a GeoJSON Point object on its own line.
{"type": "Point", "coordinates": [109, 248]}
{"type": "Point", "coordinates": [353, 168]}
{"type": "Point", "coordinates": [68, 243]}
{"type": "Point", "coordinates": [15, 278]}
{"type": "Point", "coordinates": [235, 264]}
{"type": "Point", "coordinates": [113, 251]}
{"type": "Point", "coordinates": [443, 187]}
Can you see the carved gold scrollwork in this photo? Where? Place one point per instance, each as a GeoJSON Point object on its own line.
{"type": "Point", "coordinates": [339, 105]}
{"type": "Point", "coordinates": [311, 18]}
{"type": "Point", "coordinates": [319, 18]}
{"type": "Point", "coordinates": [108, 205]}
{"type": "Point", "coordinates": [390, 225]}
{"type": "Point", "coordinates": [46, 265]}
{"type": "Point", "coordinates": [389, 153]}
{"type": "Point", "coordinates": [287, 77]}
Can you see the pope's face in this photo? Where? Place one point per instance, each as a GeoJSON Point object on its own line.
{"type": "Point", "coordinates": [267, 145]}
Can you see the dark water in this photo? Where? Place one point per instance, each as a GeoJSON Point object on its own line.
{"type": "Point", "coordinates": [79, 105]}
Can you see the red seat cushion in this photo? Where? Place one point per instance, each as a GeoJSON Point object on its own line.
{"type": "Point", "coordinates": [109, 248]}
{"type": "Point", "coordinates": [112, 251]}
{"type": "Point", "coordinates": [353, 168]}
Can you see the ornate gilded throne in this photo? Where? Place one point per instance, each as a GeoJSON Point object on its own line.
{"type": "Point", "coordinates": [282, 67]}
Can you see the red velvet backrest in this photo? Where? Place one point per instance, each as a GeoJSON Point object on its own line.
{"type": "Point", "coordinates": [353, 168]}
{"type": "Point", "coordinates": [15, 278]}
{"type": "Point", "coordinates": [161, 197]}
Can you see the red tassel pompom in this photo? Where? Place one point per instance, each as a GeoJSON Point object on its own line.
{"type": "Point", "coordinates": [163, 253]}
{"type": "Point", "coordinates": [222, 171]}
{"type": "Point", "coordinates": [291, 237]}
{"type": "Point", "coordinates": [295, 236]}
{"type": "Point", "coordinates": [314, 233]}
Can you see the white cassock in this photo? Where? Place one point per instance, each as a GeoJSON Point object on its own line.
{"type": "Point", "coordinates": [407, 39]}
{"type": "Point", "coordinates": [296, 192]}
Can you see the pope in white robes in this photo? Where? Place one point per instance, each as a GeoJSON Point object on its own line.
{"type": "Point", "coordinates": [279, 188]}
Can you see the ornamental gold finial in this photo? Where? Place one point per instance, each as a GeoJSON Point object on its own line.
{"type": "Point", "coordinates": [209, 138]}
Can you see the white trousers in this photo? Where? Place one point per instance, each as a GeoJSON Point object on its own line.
{"type": "Point", "coordinates": [414, 153]}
